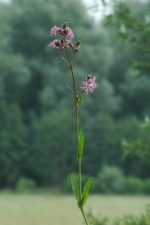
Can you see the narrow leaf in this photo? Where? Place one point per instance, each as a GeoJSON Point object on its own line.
{"type": "Point", "coordinates": [70, 88]}
{"type": "Point", "coordinates": [80, 97]}
{"type": "Point", "coordinates": [75, 187]}
{"type": "Point", "coordinates": [86, 190]}
{"type": "Point", "coordinates": [80, 144]}
{"type": "Point", "coordinates": [65, 60]}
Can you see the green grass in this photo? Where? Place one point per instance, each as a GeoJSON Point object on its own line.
{"type": "Point", "coordinates": [27, 209]}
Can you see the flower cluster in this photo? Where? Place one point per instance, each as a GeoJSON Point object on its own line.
{"type": "Point", "coordinates": [60, 43]}
{"type": "Point", "coordinates": [64, 31]}
{"type": "Point", "coordinates": [67, 36]}
{"type": "Point", "coordinates": [89, 84]}
{"type": "Point", "coordinates": [66, 41]}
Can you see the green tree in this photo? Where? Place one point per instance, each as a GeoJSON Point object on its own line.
{"type": "Point", "coordinates": [13, 136]}
{"type": "Point", "coordinates": [133, 24]}
{"type": "Point", "coordinates": [13, 72]}
{"type": "Point", "coordinates": [34, 81]}
{"type": "Point", "coordinates": [53, 148]}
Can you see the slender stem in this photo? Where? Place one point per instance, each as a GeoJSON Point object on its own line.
{"type": "Point", "coordinates": [72, 74]}
{"type": "Point", "coordinates": [61, 50]}
{"type": "Point", "coordinates": [77, 122]}
{"type": "Point", "coordinates": [86, 221]}
{"type": "Point", "coordinates": [79, 178]}
{"type": "Point", "coordinates": [79, 166]}
{"type": "Point", "coordinates": [77, 130]}
{"type": "Point", "coordinates": [79, 160]}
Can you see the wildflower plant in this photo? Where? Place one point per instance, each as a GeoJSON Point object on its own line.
{"type": "Point", "coordinates": [68, 51]}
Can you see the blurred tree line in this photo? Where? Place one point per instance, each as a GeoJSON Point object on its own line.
{"type": "Point", "coordinates": [37, 125]}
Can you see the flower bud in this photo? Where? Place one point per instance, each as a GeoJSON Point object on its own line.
{"type": "Point", "coordinates": [65, 31]}
{"type": "Point", "coordinates": [71, 45]}
{"type": "Point", "coordinates": [88, 77]}
{"type": "Point", "coordinates": [65, 25]}
{"type": "Point", "coordinates": [77, 49]}
{"type": "Point", "coordinates": [57, 43]}
{"type": "Point", "coordinates": [78, 44]}
{"type": "Point", "coordinates": [62, 41]}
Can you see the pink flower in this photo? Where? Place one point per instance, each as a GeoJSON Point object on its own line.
{"type": "Point", "coordinates": [69, 33]}
{"type": "Point", "coordinates": [65, 41]}
{"type": "Point", "coordinates": [55, 44]}
{"type": "Point", "coordinates": [54, 31]}
{"type": "Point", "coordinates": [60, 44]}
{"type": "Point", "coordinates": [66, 32]}
{"type": "Point", "coordinates": [89, 84]}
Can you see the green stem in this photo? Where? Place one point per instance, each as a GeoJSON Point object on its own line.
{"type": "Point", "coordinates": [85, 219]}
{"type": "Point", "coordinates": [77, 123]}
{"type": "Point", "coordinates": [79, 178]}
{"type": "Point", "coordinates": [72, 74]}
{"type": "Point", "coordinates": [79, 166]}
{"type": "Point", "coordinates": [77, 131]}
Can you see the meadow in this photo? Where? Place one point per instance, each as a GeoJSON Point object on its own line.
{"type": "Point", "coordinates": [45, 209]}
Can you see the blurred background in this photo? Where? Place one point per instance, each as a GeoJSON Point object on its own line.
{"type": "Point", "coordinates": [37, 127]}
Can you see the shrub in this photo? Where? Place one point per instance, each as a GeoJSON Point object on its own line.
{"type": "Point", "coordinates": [143, 219]}
{"type": "Point", "coordinates": [146, 187]}
{"type": "Point", "coordinates": [134, 185]}
{"type": "Point", "coordinates": [25, 185]}
{"type": "Point", "coordinates": [97, 220]}
{"type": "Point", "coordinates": [111, 180]}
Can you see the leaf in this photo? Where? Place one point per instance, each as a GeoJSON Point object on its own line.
{"type": "Point", "coordinates": [70, 88]}
{"type": "Point", "coordinates": [80, 97]}
{"type": "Point", "coordinates": [75, 188]}
{"type": "Point", "coordinates": [64, 59]}
{"type": "Point", "coordinates": [86, 191]}
{"type": "Point", "coordinates": [145, 126]}
{"type": "Point", "coordinates": [80, 144]}
{"type": "Point", "coordinates": [108, 20]}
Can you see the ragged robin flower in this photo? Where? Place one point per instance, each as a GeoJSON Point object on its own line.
{"type": "Point", "coordinates": [66, 38]}
{"type": "Point", "coordinates": [60, 43]}
{"type": "Point", "coordinates": [89, 85]}
{"type": "Point", "coordinates": [65, 31]}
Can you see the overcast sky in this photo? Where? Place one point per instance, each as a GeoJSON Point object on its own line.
{"type": "Point", "coordinates": [95, 8]}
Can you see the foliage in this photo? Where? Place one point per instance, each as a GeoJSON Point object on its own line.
{"type": "Point", "coordinates": [51, 148]}
{"type": "Point", "coordinates": [111, 180]}
{"type": "Point", "coordinates": [13, 135]}
{"type": "Point", "coordinates": [133, 26]}
{"type": "Point", "coordinates": [133, 185]}
{"type": "Point", "coordinates": [25, 185]}
{"type": "Point", "coordinates": [36, 138]}
{"type": "Point", "coordinates": [96, 220]}
{"type": "Point", "coordinates": [143, 219]}
{"type": "Point", "coordinates": [67, 188]}
{"type": "Point", "coordinates": [146, 186]}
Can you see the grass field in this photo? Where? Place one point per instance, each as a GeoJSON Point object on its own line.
{"type": "Point", "coordinates": [61, 209]}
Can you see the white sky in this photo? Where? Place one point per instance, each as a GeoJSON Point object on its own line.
{"type": "Point", "coordinates": [100, 9]}
{"type": "Point", "coordinates": [96, 9]}
{"type": "Point", "coordinates": [4, 1]}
